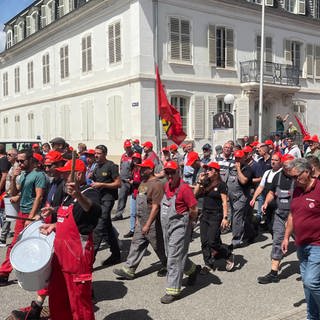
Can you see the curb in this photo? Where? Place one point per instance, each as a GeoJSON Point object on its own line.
{"type": "Point", "coordinates": [298, 313]}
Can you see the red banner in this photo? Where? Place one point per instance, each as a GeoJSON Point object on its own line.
{"type": "Point", "coordinates": [170, 116]}
{"type": "Point", "coordinates": [303, 130]}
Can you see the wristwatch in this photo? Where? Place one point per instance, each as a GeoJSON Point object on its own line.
{"type": "Point", "coordinates": [226, 218]}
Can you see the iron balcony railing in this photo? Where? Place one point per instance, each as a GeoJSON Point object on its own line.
{"type": "Point", "coordinates": [274, 73]}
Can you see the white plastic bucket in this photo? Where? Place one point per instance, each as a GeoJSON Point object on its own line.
{"type": "Point", "coordinates": [10, 208]}
{"type": "Point", "coordinates": [31, 260]}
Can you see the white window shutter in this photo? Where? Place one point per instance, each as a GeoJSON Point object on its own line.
{"type": "Point", "coordinates": [185, 40]}
{"type": "Point", "coordinates": [212, 110]}
{"type": "Point", "coordinates": [317, 61]}
{"type": "Point", "coordinates": [28, 21]}
{"type": "Point", "coordinates": [71, 5]}
{"type": "Point", "coordinates": [269, 3]}
{"type": "Point", "coordinates": [46, 124]}
{"type": "Point", "coordinates": [175, 39]}
{"type": "Point", "coordinates": [287, 52]}
{"type": "Point", "coordinates": [66, 122]}
{"type": "Point", "coordinates": [90, 119]}
{"type": "Point", "coordinates": [309, 60]}
{"type": "Point", "coordinates": [229, 48]}
{"type": "Point", "coordinates": [35, 22]}
{"type": "Point", "coordinates": [117, 32]}
{"type": "Point", "coordinates": [53, 11]}
{"type": "Point", "coordinates": [118, 116]}
{"type": "Point", "coordinates": [268, 47]}
{"type": "Point", "coordinates": [15, 31]}
{"type": "Point", "coordinates": [242, 117]}
{"type": "Point", "coordinates": [302, 7]}
{"type": "Point", "coordinates": [61, 9]}
{"type": "Point", "coordinates": [43, 16]}
{"type": "Point", "coordinates": [199, 115]}
{"type": "Point", "coordinates": [111, 41]}
{"type": "Point", "coordinates": [212, 44]}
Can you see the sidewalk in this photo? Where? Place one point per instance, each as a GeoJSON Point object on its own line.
{"type": "Point", "coordinates": [294, 314]}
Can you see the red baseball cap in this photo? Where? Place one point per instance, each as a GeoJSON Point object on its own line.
{"type": "Point", "coordinates": [136, 141]}
{"type": "Point", "coordinates": [269, 142]}
{"type": "Point", "coordinates": [247, 149]}
{"type": "Point", "coordinates": [307, 137]}
{"type": "Point", "coordinates": [173, 147]}
{"type": "Point", "coordinates": [147, 164]}
{"type": "Point", "coordinates": [287, 157]}
{"type": "Point", "coordinates": [38, 157]}
{"type": "Point", "coordinates": [214, 165]}
{"type": "Point", "coordinates": [239, 154]}
{"type": "Point", "coordinates": [192, 158]}
{"type": "Point", "coordinates": [127, 144]}
{"type": "Point", "coordinates": [35, 145]}
{"type": "Point", "coordinates": [79, 166]}
{"type": "Point", "coordinates": [148, 144]}
{"type": "Point", "coordinates": [171, 165]}
{"type": "Point", "coordinates": [53, 157]}
{"type": "Point", "coordinates": [254, 143]}
{"type": "Point", "coordinates": [89, 151]}
{"type": "Point", "coordinates": [136, 155]}
{"type": "Point", "coordinates": [314, 138]}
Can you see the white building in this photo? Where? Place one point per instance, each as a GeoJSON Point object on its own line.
{"type": "Point", "coordinates": [85, 70]}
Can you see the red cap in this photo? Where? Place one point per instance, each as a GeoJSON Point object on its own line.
{"type": "Point", "coordinates": [269, 142]}
{"type": "Point", "coordinates": [287, 157]}
{"type": "Point", "coordinates": [214, 165]}
{"type": "Point", "coordinates": [38, 157]}
{"type": "Point", "coordinates": [53, 157]}
{"type": "Point", "coordinates": [89, 151]}
{"type": "Point", "coordinates": [148, 144]}
{"type": "Point", "coordinates": [279, 155]}
{"type": "Point", "coordinates": [173, 147]}
{"type": "Point", "coordinates": [239, 154]}
{"type": "Point", "coordinates": [192, 158]}
{"type": "Point", "coordinates": [35, 145]}
{"type": "Point", "coordinates": [171, 165]}
{"type": "Point", "coordinates": [136, 141]}
{"type": "Point", "coordinates": [247, 149]}
{"type": "Point", "coordinates": [79, 166]}
{"type": "Point", "coordinates": [147, 164]}
{"type": "Point", "coordinates": [127, 144]}
{"type": "Point", "coordinates": [314, 138]}
{"type": "Point", "coordinates": [165, 149]}
{"type": "Point", "coordinates": [307, 137]}
{"type": "Point", "coordinates": [136, 155]}
{"type": "Point", "coordinates": [70, 148]}
{"type": "Point", "coordinates": [254, 143]}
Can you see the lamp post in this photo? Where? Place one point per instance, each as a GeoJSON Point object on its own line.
{"type": "Point", "coordinates": [229, 99]}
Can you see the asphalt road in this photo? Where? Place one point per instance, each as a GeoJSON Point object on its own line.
{"type": "Point", "coordinates": [220, 295]}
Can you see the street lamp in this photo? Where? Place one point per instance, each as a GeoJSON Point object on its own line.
{"type": "Point", "coordinates": [229, 99]}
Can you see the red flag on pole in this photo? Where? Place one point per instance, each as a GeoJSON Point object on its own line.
{"type": "Point", "coordinates": [170, 116]}
{"type": "Point", "coordinates": [302, 128]}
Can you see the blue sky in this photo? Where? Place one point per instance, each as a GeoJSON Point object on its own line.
{"type": "Point", "coordinates": [8, 9]}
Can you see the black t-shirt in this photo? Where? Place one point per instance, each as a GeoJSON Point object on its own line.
{"type": "Point", "coordinates": [285, 182]}
{"type": "Point", "coordinates": [106, 173]}
{"type": "Point", "coordinates": [248, 173]}
{"type": "Point", "coordinates": [212, 199]}
{"type": "Point", "coordinates": [5, 166]}
{"type": "Point", "coordinates": [86, 221]}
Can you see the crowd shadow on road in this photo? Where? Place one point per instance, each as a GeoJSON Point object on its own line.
{"type": "Point", "coordinates": [119, 290]}
{"type": "Point", "coordinates": [129, 314]}
{"type": "Point", "coordinates": [289, 268]}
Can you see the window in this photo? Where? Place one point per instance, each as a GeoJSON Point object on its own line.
{"type": "Point", "coordinates": [45, 69]}
{"type": "Point", "coordinates": [31, 133]}
{"type": "Point", "coordinates": [65, 6]}
{"type": "Point", "coordinates": [5, 84]}
{"type": "Point", "coordinates": [292, 53]}
{"type": "Point", "coordinates": [309, 60]}
{"type": "Point", "coordinates": [180, 40]}
{"type": "Point", "coordinates": [17, 80]}
{"type": "Point", "coordinates": [222, 107]}
{"type": "Point", "coordinates": [50, 12]}
{"type": "Point", "coordinates": [221, 47]}
{"type": "Point", "coordinates": [9, 39]}
{"type": "Point", "coordinates": [32, 23]}
{"type": "Point", "coordinates": [86, 54]}
{"type": "Point", "coordinates": [5, 127]}
{"type": "Point", "coordinates": [182, 105]}
{"type": "Point", "coordinates": [64, 62]}
{"type": "Point", "coordinates": [17, 126]}
{"type": "Point", "coordinates": [114, 43]}
{"type": "Point", "coordinates": [20, 31]}
{"type": "Point", "coordinates": [267, 48]}
{"type": "Point", "coordinates": [317, 61]}
{"type": "Point", "coordinates": [30, 75]}
{"type": "Point", "coordinates": [296, 6]}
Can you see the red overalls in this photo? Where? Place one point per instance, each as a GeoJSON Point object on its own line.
{"type": "Point", "coordinates": [70, 286]}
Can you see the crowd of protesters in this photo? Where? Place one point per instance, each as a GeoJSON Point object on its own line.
{"type": "Point", "coordinates": [243, 187]}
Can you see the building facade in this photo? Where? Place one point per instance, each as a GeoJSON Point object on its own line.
{"type": "Point", "coordinates": [85, 70]}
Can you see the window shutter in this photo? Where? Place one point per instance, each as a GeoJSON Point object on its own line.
{"type": "Point", "coordinates": [269, 3]}
{"type": "Point", "coordinates": [287, 52]}
{"type": "Point", "coordinates": [15, 34]}
{"type": "Point", "coordinates": [65, 121]}
{"type": "Point", "coordinates": [43, 16]}
{"type": "Point", "coordinates": [46, 123]}
{"type": "Point", "coordinates": [199, 114]}
{"type": "Point", "coordinates": [317, 61]}
{"type": "Point", "coordinates": [84, 114]}
{"type": "Point", "coordinates": [111, 44]}
{"type": "Point", "coordinates": [89, 53]}
{"type": "Point", "coordinates": [242, 117]}
{"type": "Point", "coordinates": [258, 46]}
{"type": "Point", "coordinates": [174, 39]}
{"type": "Point", "coordinates": [229, 48]}
{"type": "Point", "coordinates": [302, 7]}
{"type": "Point", "coordinates": [212, 45]}
{"type": "Point", "coordinates": [118, 117]}
{"type": "Point", "coordinates": [117, 32]}
{"type": "Point", "coordinates": [268, 46]}
{"type": "Point", "coordinates": [61, 8]}
{"type": "Point", "coordinates": [22, 30]}
{"type": "Point", "coordinates": [90, 120]}
{"type": "Point", "coordinates": [185, 41]}
{"type": "Point", "coordinates": [62, 63]}
{"type": "Point", "coordinates": [212, 110]}
{"type": "Point", "coordinates": [28, 20]}
{"type": "Point", "coordinates": [53, 11]}
{"type": "Point", "coordinates": [309, 60]}
{"type": "Point", "coordinates": [84, 54]}
{"type": "Point", "coordinates": [35, 22]}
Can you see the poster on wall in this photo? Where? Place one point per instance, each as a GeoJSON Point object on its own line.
{"type": "Point", "coordinates": [223, 120]}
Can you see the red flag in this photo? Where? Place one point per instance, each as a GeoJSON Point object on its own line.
{"type": "Point", "coordinates": [302, 128]}
{"type": "Point", "coordinates": [170, 116]}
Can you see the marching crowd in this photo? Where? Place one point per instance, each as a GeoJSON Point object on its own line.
{"type": "Point", "coordinates": [243, 188]}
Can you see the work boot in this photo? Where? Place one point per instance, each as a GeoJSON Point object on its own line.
{"type": "Point", "coordinates": [162, 272]}
{"type": "Point", "coordinates": [168, 298]}
{"type": "Point", "coordinates": [193, 276]}
{"type": "Point", "coordinates": [129, 234]}
{"type": "Point", "coordinates": [29, 313]}
{"type": "Point", "coordinates": [268, 278]}
{"type": "Point", "coordinates": [123, 274]}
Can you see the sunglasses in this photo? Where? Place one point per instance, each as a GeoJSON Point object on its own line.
{"type": "Point", "coordinates": [209, 169]}
{"type": "Point", "coordinates": [21, 161]}
{"type": "Point", "coordinates": [297, 176]}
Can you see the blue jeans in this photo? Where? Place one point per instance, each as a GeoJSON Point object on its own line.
{"type": "Point", "coordinates": [309, 257]}
{"type": "Point", "coordinates": [260, 199]}
{"type": "Point", "coordinates": [132, 213]}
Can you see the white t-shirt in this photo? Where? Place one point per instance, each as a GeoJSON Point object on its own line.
{"type": "Point", "coordinates": [270, 177]}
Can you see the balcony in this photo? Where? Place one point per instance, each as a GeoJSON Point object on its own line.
{"type": "Point", "coordinates": [275, 74]}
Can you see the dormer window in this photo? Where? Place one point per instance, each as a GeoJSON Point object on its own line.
{"type": "Point", "coordinates": [48, 13]}
{"type": "Point", "coordinates": [9, 39]}
{"type": "Point", "coordinates": [20, 33]}
{"type": "Point", "coordinates": [65, 6]}
{"type": "Point", "coordinates": [32, 23]}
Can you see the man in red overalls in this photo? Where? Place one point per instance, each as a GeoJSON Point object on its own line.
{"type": "Point", "coordinates": [70, 285]}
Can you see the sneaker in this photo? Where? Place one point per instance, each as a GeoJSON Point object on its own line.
{"type": "Point", "coordinates": [162, 272]}
{"type": "Point", "coordinates": [168, 298]}
{"type": "Point", "coordinates": [3, 280]}
{"type": "Point", "coordinates": [268, 278]}
{"type": "Point", "coordinates": [193, 276]}
{"type": "Point", "coordinates": [230, 263]}
{"type": "Point", "coordinates": [32, 312]}
{"type": "Point", "coordinates": [117, 218]}
{"type": "Point", "coordinates": [3, 243]}
{"type": "Point", "coordinates": [111, 261]}
{"type": "Point", "coordinates": [123, 274]}
{"type": "Point", "coordinates": [129, 234]}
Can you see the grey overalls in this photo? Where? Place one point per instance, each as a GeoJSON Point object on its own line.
{"type": "Point", "coordinates": [176, 234]}
{"type": "Point", "coordinates": [140, 242]}
{"type": "Point", "coordinates": [239, 202]}
{"type": "Point", "coordinates": [283, 199]}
